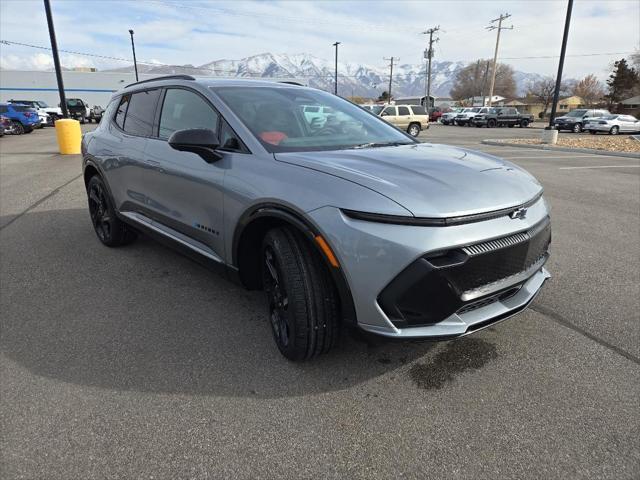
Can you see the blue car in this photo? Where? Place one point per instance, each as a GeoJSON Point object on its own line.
{"type": "Point", "coordinates": [23, 118]}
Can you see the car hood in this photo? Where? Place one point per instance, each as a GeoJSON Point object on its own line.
{"type": "Point", "coordinates": [429, 180]}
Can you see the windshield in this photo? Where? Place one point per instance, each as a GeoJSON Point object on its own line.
{"type": "Point", "coordinates": [576, 113]}
{"type": "Point", "coordinates": [282, 120]}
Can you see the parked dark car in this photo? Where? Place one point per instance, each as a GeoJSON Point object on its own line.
{"type": "Point", "coordinates": [502, 116]}
{"type": "Point", "coordinates": [5, 125]}
{"type": "Point", "coordinates": [575, 119]}
{"type": "Point", "coordinates": [78, 109]}
{"type": "Point", "coordinates": [23, 118]}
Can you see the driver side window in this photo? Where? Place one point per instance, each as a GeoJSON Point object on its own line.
{"type": "Point", "coordinates": [183, 109]}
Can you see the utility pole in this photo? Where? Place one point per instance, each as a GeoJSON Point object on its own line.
{"type": "Point", "coordinates": [565, 36]}
{"type": "Point", "coordinates": [56, 59]}
{"type": "Point", "coordinates": [484, 83]}
{"type": "Point", "coordinates": [335, 90]}
{"type": "Point", "coordinates": [391, 60]}
{"type": "Point", "coordinates": [495, 55]}
{"type": "Point", "coordinates": [429, 55]}
{"type": "Point", "coordinates": [133, 47]}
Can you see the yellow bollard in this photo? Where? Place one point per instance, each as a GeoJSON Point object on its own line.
{"type": "Point", "coordinates": [69, 136]}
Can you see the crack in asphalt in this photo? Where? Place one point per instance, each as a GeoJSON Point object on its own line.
{"type": "Point", "coordinates": [547, 312]}
{"type": "Point", "coordinates": [38, 202]}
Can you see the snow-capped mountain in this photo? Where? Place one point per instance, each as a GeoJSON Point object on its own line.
{"type": "Point", "coordinates": [353, 79]}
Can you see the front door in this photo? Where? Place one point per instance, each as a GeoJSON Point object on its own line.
{"type": "Point", "coordinates": [190, 189]}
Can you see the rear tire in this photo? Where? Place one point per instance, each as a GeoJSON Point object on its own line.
{"type": "Point", "coordinates": [414, 129]}
{"type": "Point", "coordinates": [524, 123]}
{"type": "Point", "coordinates": [18, 128]}
{"type": "Point", "coordinates": [302, 299]}
{"type": "Point", "coordinates": [111, 231]}
{"type": "Point", "coordinates": [491, 123]}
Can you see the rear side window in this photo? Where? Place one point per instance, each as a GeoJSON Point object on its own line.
{"type": "Point", "coordinates": [183, 109]}
{"type": "Point", "coordinates": [403, 111]}
{"type": "Point", "coordinates": [140, 114]}
{"type": "Point", "coordinates": [417, 110]}
{"type": "Point", "coordinates": [122, 111]}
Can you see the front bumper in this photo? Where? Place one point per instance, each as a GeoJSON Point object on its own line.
{"type": "Point", "coordinates": [374, 255]}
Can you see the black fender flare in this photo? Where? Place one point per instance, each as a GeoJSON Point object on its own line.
{"type": "Point", "coordinates": [308, 229]}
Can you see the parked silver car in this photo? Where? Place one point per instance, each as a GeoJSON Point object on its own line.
{"type": "Point", "coordinates": [612, 124]}
{"type": "Point", "coordinates": [350, 223]}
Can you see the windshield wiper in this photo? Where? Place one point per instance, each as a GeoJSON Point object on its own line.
{"type": "Point", "coordinates": [378, 144]}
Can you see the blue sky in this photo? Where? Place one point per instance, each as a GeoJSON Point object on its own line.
{"type": "Point", "coordinates": [196, 32]}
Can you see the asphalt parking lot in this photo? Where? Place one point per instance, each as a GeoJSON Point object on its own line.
{"type": "Point", "coordinates": [139, 363]}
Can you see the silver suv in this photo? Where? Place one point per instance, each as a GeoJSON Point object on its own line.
{"type": "Point", "coordinates": [347, 221]}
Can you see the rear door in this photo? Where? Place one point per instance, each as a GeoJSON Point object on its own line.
{"type": "Point", "coordinates": [128, 172]}
{"type": "Point", "coordinates": [404, 117]}
{"type": "Point", "coordinates": [189, 191]}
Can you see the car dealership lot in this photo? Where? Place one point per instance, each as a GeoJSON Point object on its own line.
{"type": "Point", "coordinates": [138, 363]}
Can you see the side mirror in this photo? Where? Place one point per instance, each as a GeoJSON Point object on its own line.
{"type": "Point", "coordinates": [201, 141]}
{"type": "Point", "coordinates": [384, 114]}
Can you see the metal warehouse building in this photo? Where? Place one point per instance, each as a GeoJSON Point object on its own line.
{"type": "Point", "coordinates": [95, 88]}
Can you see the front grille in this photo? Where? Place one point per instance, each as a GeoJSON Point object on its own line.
{"type": "Point", "coordinates": [499, 259]}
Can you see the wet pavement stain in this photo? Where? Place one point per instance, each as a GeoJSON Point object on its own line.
{"type": "Point", "coordinates": [457, 357]}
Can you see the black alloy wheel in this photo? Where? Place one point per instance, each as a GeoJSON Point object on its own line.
{"type": "Point", "coordinates": [111, 231]}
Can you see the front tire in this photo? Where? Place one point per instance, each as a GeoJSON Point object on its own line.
{"type": "Point", "coordinates": [577, 128]}
{"type": "Point", "coordinates": [614, 130]}
{"type": "Point", "coordinates": [302, 299]}
{"type": "Point", "coordinates": [524, 123]}
{"type": "Point", "coordinates": [111, 231]}
{"type": "Point", "coordinates": [491, 123]}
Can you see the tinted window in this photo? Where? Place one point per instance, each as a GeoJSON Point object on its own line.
{"type": "Point", "coordinates": [142, 107]}
{"type": "Point", "coordinates": [403, 111]}
{"type": "Point", "coordinates": [122, 110]}
{"type": "Point", "coordinates": [184, 109]}
{"type": "Point", "coordinates": [390, 111]}
{"type": "Point", "coordinates": [418, 110]}
{"type": "Point", "coordinates": [229, 140]}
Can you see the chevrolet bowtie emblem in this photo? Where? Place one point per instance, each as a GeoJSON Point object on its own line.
{"type": "Point", "coordinates": [520, 213]}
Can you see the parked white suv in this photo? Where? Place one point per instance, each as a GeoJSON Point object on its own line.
{"type": "Point", "coordinates": [466, 115]}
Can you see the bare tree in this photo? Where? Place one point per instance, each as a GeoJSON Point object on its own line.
{"type": "Point", "coordinates": [470, 80]}
{"type": "Point", "coordinates": [590, 89]}
{"type": "Point", "coordinates": [543, 90]}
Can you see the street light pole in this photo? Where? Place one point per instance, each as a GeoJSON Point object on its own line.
{"type": "Point", "coordinates": [335, 88]}
{"type": "Point", "coordinates": [133, 47]}
{"type": "Point", "coordinates": [565, 36]}
{"type": "Point", "coordinates": [56, 59]}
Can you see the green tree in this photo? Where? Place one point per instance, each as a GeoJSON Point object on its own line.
{"type": "Point", "coordinates": [384, 97]}
{"type": "Point", "coordinates": [623, 82]}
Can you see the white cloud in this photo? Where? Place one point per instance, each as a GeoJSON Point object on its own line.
{"type": "Point", "coordinates": [196, 32]}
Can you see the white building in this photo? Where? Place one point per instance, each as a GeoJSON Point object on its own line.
{"type": "Point", "coordinates": [95, 88]}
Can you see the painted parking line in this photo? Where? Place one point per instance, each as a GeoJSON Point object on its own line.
{"type": "Point", "coordinates": [599, 166]}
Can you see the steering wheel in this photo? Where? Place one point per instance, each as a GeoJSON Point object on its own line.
{"type": "Point", "coordinates": [330, 130]}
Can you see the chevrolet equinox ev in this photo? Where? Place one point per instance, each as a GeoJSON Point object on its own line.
{"type": "Point", "coordinates": [342, 219]}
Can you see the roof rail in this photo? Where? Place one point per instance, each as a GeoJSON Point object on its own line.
{"type": "Point", "coordinates": [290, 82]}
{"type": "Point", "coordinates": [166, 77]}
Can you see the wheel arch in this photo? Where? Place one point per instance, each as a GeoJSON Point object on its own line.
{"type": "Point", "coordinates": [247, 241]}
